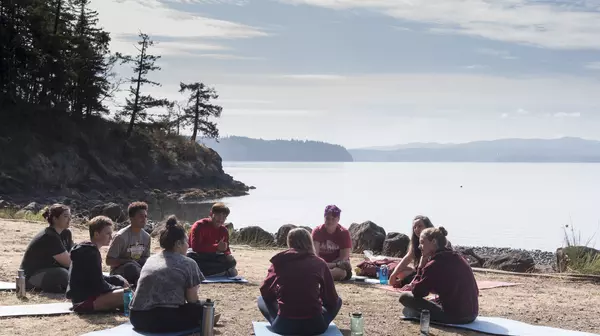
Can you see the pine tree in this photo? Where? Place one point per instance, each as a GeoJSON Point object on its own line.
{"type": "Point", "coordinates": [143, 64]}
{"type": "Point", "coordinates": [199, 109]}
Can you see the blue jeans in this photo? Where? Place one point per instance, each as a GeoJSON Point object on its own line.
{"type": "Point", "coordinates": [304, 327]}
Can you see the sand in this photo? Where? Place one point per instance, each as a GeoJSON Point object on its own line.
{"type": "Point", "coordinates": [550, 302]}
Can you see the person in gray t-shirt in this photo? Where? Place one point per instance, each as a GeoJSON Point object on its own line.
{"type": "Point", "coordinates": [130, 247]}
{"type": "Point", "coordinates": [166, 297]}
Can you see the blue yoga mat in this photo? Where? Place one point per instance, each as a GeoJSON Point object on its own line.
{"type": "Point", "coordinates": [127, 330]}
{"type": "Point", "coordinates": [224, 279]}
{"type": "Point", "coordinates": [505, 327]}
{"type": "Point", "coordinates": [264, 329]}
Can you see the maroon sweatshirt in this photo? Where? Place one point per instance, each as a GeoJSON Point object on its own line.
{"type": "Point", "coordinates": [301, 283]}
{"type": "Point", "coordinates": [449, 276]}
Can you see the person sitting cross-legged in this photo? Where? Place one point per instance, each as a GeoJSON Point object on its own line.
{"type": "Point", "coordinates": [166, 297]}
{"type": "Point", "coordinates": [446, 273]}
{"type": "Point", "coordinates": [89, 289]}
{"type": "Point", "coordinates": [46, 260]}
{"type": "Point", "coordinates": [130, 248]}
{"type": "Point", "coordinates": [333, 244]}
{"type": "Point", "coordinates": [209, 244]}
{"type": "Point", "coordinates": [298, 297]}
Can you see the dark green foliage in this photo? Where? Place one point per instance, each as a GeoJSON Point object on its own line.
{"type": "Point", "coordinates": [53, 55]}
{"type": "Point", "coordinates": [199, 109]}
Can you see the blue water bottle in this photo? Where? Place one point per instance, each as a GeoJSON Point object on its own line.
{"type": "Point", "coordinates": [383, 275]}
{"type": "Point", "coordinates": [127, 296]}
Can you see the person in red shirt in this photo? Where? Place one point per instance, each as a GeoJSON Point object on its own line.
{"type": "Point", "coordinates": [333, 244]}
{"type": "Point", "coordinates": [209, 244]}
{"type": "Point", "coordinates": [298, 297]}
{"type": "Point", "coordinates": [444, 272]}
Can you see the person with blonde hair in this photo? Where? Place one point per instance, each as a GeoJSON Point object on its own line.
{"type": "Point", "coordinates": [298, 295]}
{"type": "Point", "coordinates": [89, 289]}
{"type": "Point", "coordinates": [446, 273]}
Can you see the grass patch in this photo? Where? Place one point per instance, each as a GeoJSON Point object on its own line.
{"type": "Point", "coordinates": [26, 215]}
{"type": "Point", "coordinates": [581, 257]}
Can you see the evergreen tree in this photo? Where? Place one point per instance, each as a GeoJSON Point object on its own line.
{"type": "Point", "coordinates": [199, 109]}
{"type": "Point", "coordinates": [137, 103]}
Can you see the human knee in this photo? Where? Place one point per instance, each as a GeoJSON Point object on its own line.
{"type": "Point", "coordinates": [338, 274]}
{"type": "Point", "coordinates": [405, 299]}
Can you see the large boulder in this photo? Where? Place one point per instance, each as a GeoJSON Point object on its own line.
{"type": "Point", "coordinates": [470, 256]}
{"type": "Point", "coordinates": [282, 233]}
{"type": "Point", "coordinates": [32, 208]}
{"type": "Point", "coordinates": [516, 261]}
{"type": "Point", "coordinates": [254, 235]}
{"type": "Point", "coordinates": [395, 245]}
{"type": "Point", "coordinates": [367, 236]}
{"type": "Point", "coordinates": [110, 210]}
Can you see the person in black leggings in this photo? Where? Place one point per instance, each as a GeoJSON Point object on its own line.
{"type": "Point", "coordinates": [446, 273]}
{"type": "Point", "coordinates": [303, 285]}
{"type": "Point", "coordinates": [166, 297]}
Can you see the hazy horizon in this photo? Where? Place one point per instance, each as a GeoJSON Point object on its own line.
{"type": "Point", "coordinates": [445, 71]}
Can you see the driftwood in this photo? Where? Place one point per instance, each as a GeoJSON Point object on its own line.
{"type": "Point", "coordinates": [561, 276]}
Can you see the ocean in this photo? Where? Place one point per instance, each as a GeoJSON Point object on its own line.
{"type": "Point", "coordinates": [517, 205]}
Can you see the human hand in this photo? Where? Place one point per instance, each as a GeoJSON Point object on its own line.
{"type": "Point", "coordinates": [222, 246]}
{"type": "Point", "coordinates": [125, 283]}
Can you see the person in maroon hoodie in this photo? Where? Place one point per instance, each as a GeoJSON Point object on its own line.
{"type": "Point", "coordinates": [209, 244]}
{"type": "Point", "coordinates": [298, 295]}
{"type": "Point", "coordinates": [444, 272]}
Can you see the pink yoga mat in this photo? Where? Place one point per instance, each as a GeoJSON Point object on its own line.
{"type": "Point", "coordinates": [482, 284]}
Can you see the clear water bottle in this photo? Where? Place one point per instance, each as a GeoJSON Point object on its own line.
{"type": "Point", "coordinates": [383, 274]}
{"type": "Point", "coordinates": [356, 325]}
{"type": "Point", "coordinates": [208, 318]}
{"type": "Point", "coordinates": [425, 317]}
{"type": "Point", "coordinates": [127, 296]}
{"type": "Point", "coordinates": [20, 284]}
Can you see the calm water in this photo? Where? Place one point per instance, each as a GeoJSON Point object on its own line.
{"type": "Point", "coordinates": [499, 204]}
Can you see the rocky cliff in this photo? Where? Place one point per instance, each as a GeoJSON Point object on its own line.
{"type": "Point", "coordinates": [52, 158]}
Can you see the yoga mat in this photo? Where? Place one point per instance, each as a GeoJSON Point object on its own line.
{"type": "Point", "coordinates": [36, 309]}
{"type": "Point", "coordinates": [224, 279]}
{"type": "Point", "coordinates": [127, 330]}
{"type": "Point", "coordinates": [481, 284]}
{"type": "Point", "coordinates": [505, 327]}
{"type": "Point", "coordinates": [264, 329]}
{"type": "Point", "coordinates": [7, 286]}
{"type": "Point", "coordinates": [369, 281]}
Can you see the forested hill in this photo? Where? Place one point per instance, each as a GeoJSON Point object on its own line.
{"type": "Point", "coordinates": [237, 148]}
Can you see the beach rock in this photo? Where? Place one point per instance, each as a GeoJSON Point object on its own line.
{"type": "Point", "coordinates": [5, 204]}
{"type": "Point", "coordinates": [518, 261]}
{"type": "Point", "coordinates": [254, 235]}
{"type": "Point", "coordinates": [367, 236]}
{"type": "Point", "coordinates": [472, 258]}
{"type": "Point", "coordinates": [110, 210]}
{"type": "Point", "coordinates": [395, 245]}
{"type": "Point", "coordinates": [282, 233]}
{"type": "Point", "coordinates": [30, 209]}
{"type": "Point", "coordinates": [309, 229]}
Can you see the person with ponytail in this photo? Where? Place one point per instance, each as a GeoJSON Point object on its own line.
{"type": "Point", "coordinates": [89, 289]}
{"type": "Point", "coordinates": [404, 272]}
{"type": "Point", "coordinates": [446, 273]}
{"type": "Point", "coordinates": [298, 297]}
{"type": "Point", "coordinates": [166, 296]}
{"type": "Point", "coordinates": [46, 260]}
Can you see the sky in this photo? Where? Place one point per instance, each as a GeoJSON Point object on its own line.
{"type": "Point", "coordinates": [376, 72]}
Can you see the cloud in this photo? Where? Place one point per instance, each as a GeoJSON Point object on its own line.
{"type": "Point", "coordinates": [593, 66]}
{"type": "Point", "coordinates": [229, 57]}
{"type": "Point", "coordinates": [317, 77]}
{"type": "Point", "coordinates": [562, 24]}
{"type": "Point", "coordinates": [504, 54]}
{"type": "Point", "coordinates": [126, 18]}
{"type": "Point", "coordinates": [475, 67]}
{"type": "Point", "coordinates": [567, 115]}
{"type": "Point", "coordinates": [522, 111]}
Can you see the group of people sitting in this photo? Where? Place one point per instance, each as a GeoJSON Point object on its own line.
{"type": "Point", "coordinates": [298, 295]}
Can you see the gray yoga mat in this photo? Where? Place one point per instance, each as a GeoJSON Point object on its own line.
{"type": "Point", "coordinates": [264, 329]}
{"type": "Point", "coordinates": [126, 329]}
{"type": "Point", "coordinates": [7, 286]}
{"type": "Point", "coordinates": [58, 308]}
{"type": "Point", "coordinates": [505, 327]}
{"type": "Point", "coordinates": [224, 279]}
